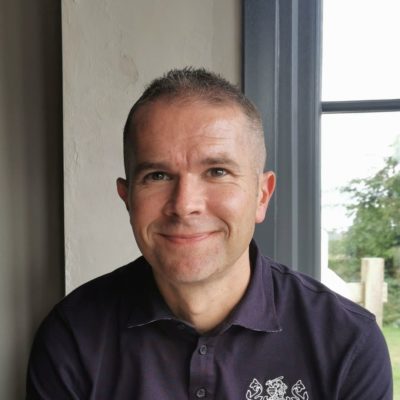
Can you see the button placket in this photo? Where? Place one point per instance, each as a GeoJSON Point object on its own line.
{"type": "Point", "coordinates": [203, 349]}
{"type": "Point", "coordinates": [202, 369]}
{"type": "Point", "coordinates": [201, 393]}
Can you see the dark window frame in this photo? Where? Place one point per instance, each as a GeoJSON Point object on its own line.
{"type": "Point", "coordinates": [281, 74]}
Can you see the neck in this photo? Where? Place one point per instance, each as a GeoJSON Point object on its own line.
{"type": "Point", "coordinates": [206, 304]}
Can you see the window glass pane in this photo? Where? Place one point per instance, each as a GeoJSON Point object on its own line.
{"type": "Point", "coordinates": [360, 182]}
{"type": "Point", "coordinates": [361, 57]}
{"type": "Point", "coordinates": [352, 146]}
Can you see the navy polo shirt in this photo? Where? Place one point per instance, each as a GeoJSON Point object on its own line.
{"type": "Point", "coordinates": [290, 338]}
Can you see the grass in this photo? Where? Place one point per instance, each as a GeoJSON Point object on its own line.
{"type": "Point", "coordinates": [392, 336]}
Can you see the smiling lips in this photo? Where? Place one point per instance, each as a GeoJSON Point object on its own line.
{"type": "Point", "coordinates": [187, 238]}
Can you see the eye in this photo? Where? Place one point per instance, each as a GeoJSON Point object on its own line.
{"type": "Point", "coordinates": [157, 176]}
{"type": "Point", "coordinates": [217, 172]}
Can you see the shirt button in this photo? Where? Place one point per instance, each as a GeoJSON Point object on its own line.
{"type": "Point", "coordinates": [201, 393]}
{"type": "Point", "coordinates": [203, 349]}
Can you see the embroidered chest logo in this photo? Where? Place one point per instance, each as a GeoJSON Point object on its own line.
{"type": "Point", "coordinates": [275, 389]}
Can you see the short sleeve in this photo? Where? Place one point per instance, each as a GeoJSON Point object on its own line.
{"type": "Point", "coordinates": [369, 375]}
{"type": "Point", "coordinates": [55, 370]}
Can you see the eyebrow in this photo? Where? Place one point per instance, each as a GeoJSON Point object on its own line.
{"type": "Point", "coordinates": [220, 160]}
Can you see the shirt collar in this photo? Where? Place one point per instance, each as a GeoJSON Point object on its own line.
{"type": "Point", "coordinates": [256, 310]}
{"type": "Point", "coordinates": [148, 305]}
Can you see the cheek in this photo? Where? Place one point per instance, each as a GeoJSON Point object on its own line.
{"type": "Point", "coordinates": [145, 208]}
{"type": "Point", "coordinates": [235, 205]}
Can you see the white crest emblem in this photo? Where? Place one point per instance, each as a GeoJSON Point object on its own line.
{"type": "Point", "coordinates": [275, 389]}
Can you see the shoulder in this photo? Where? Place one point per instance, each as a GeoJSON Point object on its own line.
{"type": "Point", "coordinates": [335, 327]}
{"type": "Point", "coordinates": [112, 293]}
{"type": "Point", "coordinates": [68, 344]}
{"type": "Point", "coordinates": [130, 276]}
{"type": "Point", "coordinates": [311, 296]}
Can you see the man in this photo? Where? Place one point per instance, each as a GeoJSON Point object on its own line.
{"type": "Point", "coordinates": [203, 314]}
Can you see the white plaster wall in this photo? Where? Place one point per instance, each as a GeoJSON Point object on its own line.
{"type": "Point", "coordinates": [111, 49]}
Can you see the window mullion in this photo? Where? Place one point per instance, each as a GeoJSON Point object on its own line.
{"type": "Point", "coordinates": [359, 106]}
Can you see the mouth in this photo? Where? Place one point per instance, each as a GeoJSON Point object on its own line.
{"type": "Point", "coordinates": [186, 238]}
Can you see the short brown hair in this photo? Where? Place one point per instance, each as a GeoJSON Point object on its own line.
{"type": "Point", "coordinates": [190, 83]}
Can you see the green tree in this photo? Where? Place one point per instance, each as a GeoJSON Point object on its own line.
{"type": "Point", "coordinates": [375, 207]}
{"type": "Point", "coordinates": [375, 231]}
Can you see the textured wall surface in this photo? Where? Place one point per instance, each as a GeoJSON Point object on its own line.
{"type": "Point", "coordinates": [31, 229]}
{"type": "Point", "coordinates": [111, 49]}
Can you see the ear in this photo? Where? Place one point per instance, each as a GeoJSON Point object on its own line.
{"type": "Point", "coordinates": [266, 188]}
{"type": "Point", "coordinates": [123, 191]}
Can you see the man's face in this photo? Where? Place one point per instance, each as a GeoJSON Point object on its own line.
{"type": "Point", "coordinates": [194, 193]}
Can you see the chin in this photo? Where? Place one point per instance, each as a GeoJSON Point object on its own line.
{"type": "Point", "coordinates": [182, 272]}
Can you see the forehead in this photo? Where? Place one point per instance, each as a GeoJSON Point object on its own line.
{"type": "Point", "coordinates": [181, 121]}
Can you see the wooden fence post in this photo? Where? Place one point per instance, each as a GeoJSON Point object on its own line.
{"type": "Point", "coordinates": [372, 278]}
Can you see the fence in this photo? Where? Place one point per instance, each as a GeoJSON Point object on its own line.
{"type": "Point", "coordinates": [371, 292]}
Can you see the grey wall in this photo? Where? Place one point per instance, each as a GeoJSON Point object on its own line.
{"type": "Point", "coordinates": [31, 239]}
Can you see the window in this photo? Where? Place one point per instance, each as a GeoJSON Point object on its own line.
{"type": "Point", "coordinates": [360, 138]}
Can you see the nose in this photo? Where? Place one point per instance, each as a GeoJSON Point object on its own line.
{"type": "Point", "coordinates": [187, 197]}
